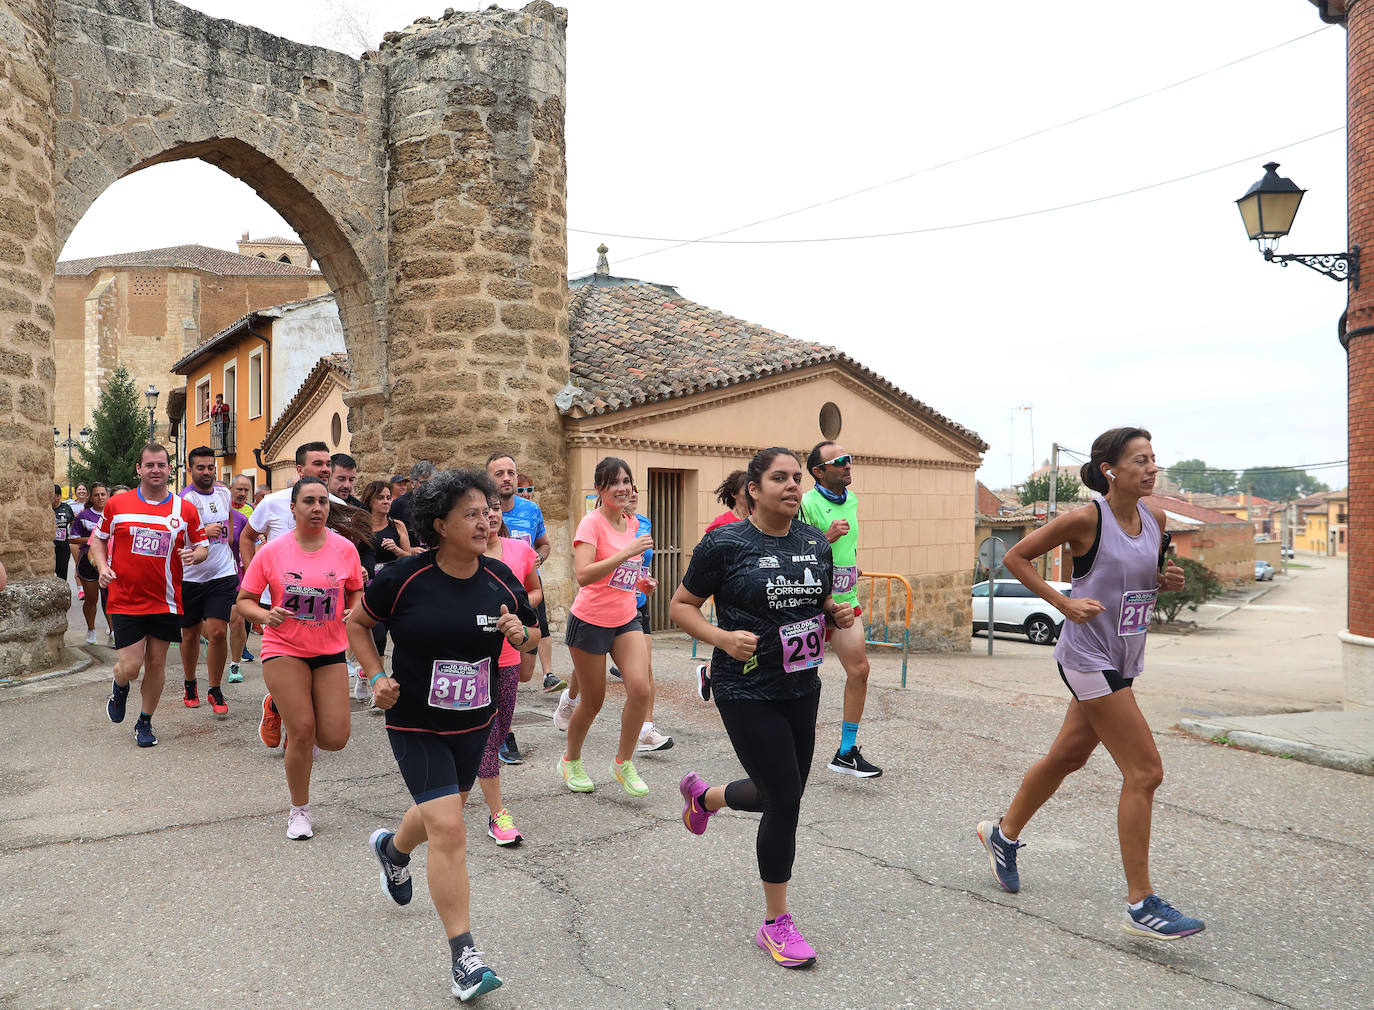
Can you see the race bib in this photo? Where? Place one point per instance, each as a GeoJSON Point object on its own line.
{"type": "Point", "coordinates": [460, 686]}
{"type": "Point", "coordinates": [61, 533]}
{"type": "Point", "coordinates": [626, 575]}
{"type": "Point", "coordinates": [846, 578]}
{"type": "Point", "coordinates": [151, 543]}
{"type": "Point", "coordinates": [1137, 607]}
{"type": "Point", "coordinates": [522, 536]}
{"type": "Point", "coordinates": [803, 645]}
{"type": "Point", "coordinates": [311, 604]}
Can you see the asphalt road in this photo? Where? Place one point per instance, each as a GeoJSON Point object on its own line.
{"type": "Point", "coordinates": [163, 878]}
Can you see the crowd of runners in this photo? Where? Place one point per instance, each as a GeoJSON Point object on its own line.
{"type": "Point", "coordinates": [442, 568]}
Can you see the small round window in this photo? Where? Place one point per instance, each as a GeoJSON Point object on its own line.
{"type": "Point", "coordinates": [336, 429]}
{"type": "Point", "coordinates": [830, 421]}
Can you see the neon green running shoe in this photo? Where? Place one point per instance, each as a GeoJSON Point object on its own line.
{"type": "Point", "coordinates": [625, 774]}
{"type": "Point", "coordinates": [575, 776]}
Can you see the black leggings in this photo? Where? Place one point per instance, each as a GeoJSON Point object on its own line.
{"type": "Point", "coordinates": [774, 741]}
{"type": "Point", "coordinates": [62, 557]}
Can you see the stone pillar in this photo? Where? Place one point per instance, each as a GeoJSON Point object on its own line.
{"type": "Point", "coordinates": [33, 608]}
{"type": "Point", "coordinates": [1357, 645]}
{"type": "Point", "coordinates": [478, 294]}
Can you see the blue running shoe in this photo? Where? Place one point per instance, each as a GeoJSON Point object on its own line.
{"type": "Point", "coordinates": [395, 878]}
{"type": "Point", "coordinates": [247, 656]}
{"type": "Point", "coordinates": [471, 977]}
{"type": "Point", "coordinates": [1159, 920]}
{"type": "Point", "coordinates": [119, 697]}
{"type": "Point", "coordinates": [143, 733]}
{"type": "Point", "coordinates": [1002, 854]}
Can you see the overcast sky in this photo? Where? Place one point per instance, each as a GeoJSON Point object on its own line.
{"type": "Point", "coordinates": [690, 119]}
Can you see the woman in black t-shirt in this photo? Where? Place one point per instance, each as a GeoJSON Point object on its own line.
{"type": "Point", "coordinates": [770, 575]}
{"type": "Point", "coordinates": [448, 610]}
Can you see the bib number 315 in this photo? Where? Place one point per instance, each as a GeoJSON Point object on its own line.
{"type": "Point", "coordinates": [459, 686]}
{"type": "Point", "coordinates": [803, 645]}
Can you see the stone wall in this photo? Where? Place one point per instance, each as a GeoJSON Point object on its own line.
{"type": "Point", "coordinates": [478, 290]}
{"type": "Point", "coordinates": [33, 606]}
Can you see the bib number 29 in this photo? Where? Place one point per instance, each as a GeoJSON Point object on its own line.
{"type": "Point", "coordinates": [803, 645]}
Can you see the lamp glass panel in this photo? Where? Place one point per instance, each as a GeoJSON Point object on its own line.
{"type": "Point", "coordinates": [1277, 211]}
{"type": "Point", "coordinates": [1249, 213]}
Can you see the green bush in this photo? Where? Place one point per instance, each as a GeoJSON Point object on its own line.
{"type": "Point", "coordinates": [1200, 584]}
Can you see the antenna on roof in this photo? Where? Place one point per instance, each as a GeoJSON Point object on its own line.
{"type": "Point", "coordinates": [603, 265]}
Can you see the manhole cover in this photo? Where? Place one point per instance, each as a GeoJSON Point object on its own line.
{"type": "Point", "coordinates": [530, 719]}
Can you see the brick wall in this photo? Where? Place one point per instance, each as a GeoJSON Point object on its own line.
{"type": "Point", "coordinates": [1360, 315]}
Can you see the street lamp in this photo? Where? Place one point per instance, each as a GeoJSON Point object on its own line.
{"type": "Point", "coordinates": [70, 443]}
{"type": "Point", "coordinates": [1268, 208]}
{"type": "Point", "coordinates": [151, 397]}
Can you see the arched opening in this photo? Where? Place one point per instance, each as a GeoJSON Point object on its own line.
{"type": "Point", "coordinates": [179, 324]}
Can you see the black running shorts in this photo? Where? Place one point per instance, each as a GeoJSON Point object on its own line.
{"type": "Point", "coordinates": [129, 629]}
{"type": "Point", "coordinates": [213, 599]}
{"type": "Point", "coordinates": [438, 764]}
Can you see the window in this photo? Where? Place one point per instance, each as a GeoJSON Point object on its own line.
{"type": "Point", "coordinates": [830, 421]}
{"type": "Point", "coordinates": [255, 383]}
{"type": "Point", "coordinates": [283, 258]}
{"type": "Point", "coordinates": [336, 430]}
{"type": "Point", "coordinates": [980, 591]}
{"type": "Point", "coordinates": [231, 385]}
{"type": "Point", "coordinates": [1014, 590]}
{"type": "Point", "coordinates": [203, 400]}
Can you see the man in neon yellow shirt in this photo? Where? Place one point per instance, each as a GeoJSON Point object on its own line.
{"type": "Point", "coordinates": [834, 510]}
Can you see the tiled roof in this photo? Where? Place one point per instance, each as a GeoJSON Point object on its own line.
{"type": "Point", "coordinates": [272, 240]}
{"type": "Point", "coordinates": [336, 363]}
{"type": "Point", "coordinates": [1186, 509]}
{"type": "Point", "coordinates": [187, 257]}
{"type": "Point", "coordinates": [639, 343]}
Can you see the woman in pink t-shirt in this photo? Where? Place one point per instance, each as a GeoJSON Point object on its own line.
{"type": "Point", "coordinates": [522, 560]}
{"type": "Point", "coordinates": [313, 577]}
{"type": "Point", "coordinates": [603, 619]}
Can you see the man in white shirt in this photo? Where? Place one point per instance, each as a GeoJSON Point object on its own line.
{"type": "Point", "coordinates": [208, 589]}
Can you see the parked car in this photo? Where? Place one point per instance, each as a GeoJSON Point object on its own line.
{"type": "Point", "coordinates": [1015, 608]}
{"type": "Point", "coordinates": [1264, 572]}
{"type": "Point", "coordinates": [1287, 551]}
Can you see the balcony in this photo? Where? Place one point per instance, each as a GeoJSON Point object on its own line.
{"type": "Point", "coordinates": [222, 434]}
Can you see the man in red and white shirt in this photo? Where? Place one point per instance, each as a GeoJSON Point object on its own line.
{"type": "Point", "coordinates": [139, 549]}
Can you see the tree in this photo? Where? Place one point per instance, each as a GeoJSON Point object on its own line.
{"type": "Point", "coordinates": [1195, 475]}
{"type": "Point", "coordinates": [119, 429]}
{"type": "Point", "coordinates": [1200, 585]}
{"type": "Point", "coordinates": [1279, 483]}
{"type": "Point", "coordinates": [1038, 489]}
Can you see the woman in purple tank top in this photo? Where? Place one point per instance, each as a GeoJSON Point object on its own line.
{"type": "Point", "coordinates": [1117, 543]}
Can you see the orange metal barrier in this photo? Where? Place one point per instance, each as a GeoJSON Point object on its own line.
{"type": "Point", "coordinates": [878, 615]}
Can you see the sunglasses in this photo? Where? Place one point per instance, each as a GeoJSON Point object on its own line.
{"type": "Point", "coordinates": [844, 460]}
{"type": "Point", "coordinates": [525, 490]}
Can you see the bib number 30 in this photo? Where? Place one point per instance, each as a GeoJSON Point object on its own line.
{"type": "Point", "coordinates": [803, 645]}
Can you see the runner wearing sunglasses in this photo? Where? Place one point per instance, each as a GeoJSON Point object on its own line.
{"type": "Point", "coordinates": [833, 509]}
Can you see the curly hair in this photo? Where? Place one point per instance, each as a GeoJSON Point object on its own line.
{"type": "Point", "coordinates": [435, 498]}
{"type": "Point", "coordinates": [729, 490]}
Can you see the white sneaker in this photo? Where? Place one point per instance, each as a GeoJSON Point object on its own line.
{"type": "Point", "coordinates": [651, 739]}
{"type": "Point", "coordinates": [298, 825]}
{"type": "Point", "coordinates": [90, 637]}
{"type": "Point", "coordinates": [563, 714]}
{"type": "Point", "coordinates": [361, 691]}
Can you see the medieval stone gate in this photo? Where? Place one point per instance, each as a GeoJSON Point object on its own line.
{"type": "Point", "coordinates": [427, 179]}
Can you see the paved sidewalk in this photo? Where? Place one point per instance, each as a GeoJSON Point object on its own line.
{"type": "Point", "coordinates": [1343, 740]}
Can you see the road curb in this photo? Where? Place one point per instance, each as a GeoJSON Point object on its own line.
{"type": "Point", "coordinates": [1299, 750]}
{"type": "Point", "coordinates": [84, 662]}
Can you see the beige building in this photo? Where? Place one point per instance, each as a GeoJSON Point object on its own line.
{"type": "Point", "coordinates": [316, 413]}
{"type": "Point", "coordinates": [685, 394]}
{"type": "Point", "coordinates": [145, 310]}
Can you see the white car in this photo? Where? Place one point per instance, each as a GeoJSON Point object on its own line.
{"type": "Point", "coordinates": [1017, 609]}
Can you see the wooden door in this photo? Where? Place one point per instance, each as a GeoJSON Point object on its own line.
{"type": "Point", "coordinates": [664, 509]}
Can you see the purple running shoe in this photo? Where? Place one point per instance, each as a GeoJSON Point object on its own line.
{"type": "Point", "coordinates": [694, 812]}
{"type": "Point", "coordinates": [784, 941]}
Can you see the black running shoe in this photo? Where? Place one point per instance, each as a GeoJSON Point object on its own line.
{"type": "Point", "coordinates": [395, 879]}
{"type": "Point", "coordinates": [143, 733]}
{"type": "Point", "coordinates": [119, 697]}
{"type": "Point", "coordinates": [509, 753]}
{"type": "Point", "coordinates": [471, 977]}
{"type": "Point", "coordinates": [704, 682]}
{"type": "Point", "coordinates": [553, 682]}
{"type": "Point", "coordinates": [615, 672]}
{"type": "Point", "coordinates": [851, 762]}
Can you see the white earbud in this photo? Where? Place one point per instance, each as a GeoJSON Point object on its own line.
{"type": "Point", "coordinates": [1111, 475]}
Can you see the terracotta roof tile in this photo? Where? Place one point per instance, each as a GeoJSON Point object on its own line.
{"type": "Point", "coordinates": [634, 343]}
{"type": "Point", "coordinates": [186, 257]}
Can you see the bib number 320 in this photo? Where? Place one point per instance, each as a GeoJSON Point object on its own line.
{"type": "Point", "coordinates": [803, 645]}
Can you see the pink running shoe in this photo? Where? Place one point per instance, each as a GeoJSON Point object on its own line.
{"type": "Point", "coordinates": [788, 947]}
{"type": "Point", "coordinates": [501, 829]}
{"type": "Point", "coordinates": [694, 812]}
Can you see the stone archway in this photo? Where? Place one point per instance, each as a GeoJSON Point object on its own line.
{"type": "Point", "coordinates": [427, 180]}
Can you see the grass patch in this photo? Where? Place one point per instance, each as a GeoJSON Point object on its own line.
{"type": "Point", "coordinates": [1297, 564]}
